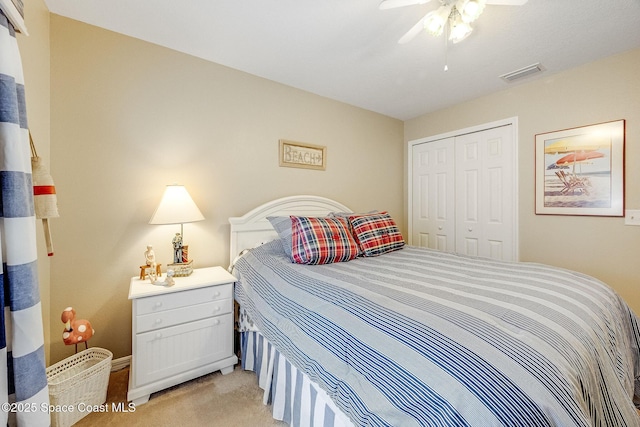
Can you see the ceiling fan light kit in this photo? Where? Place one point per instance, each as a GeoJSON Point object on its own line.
{"type": "Point", "coordinates": [458, 28]}
{"type": "Point", "coordinates": [470, 10]}
{"type": "Point", "coordinates": [436, 20]}
{"type": "Point", "coordinates": [459, 14]}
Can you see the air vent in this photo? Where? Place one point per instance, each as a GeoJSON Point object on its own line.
{"type": "Point", "coordinates": [522, 72]}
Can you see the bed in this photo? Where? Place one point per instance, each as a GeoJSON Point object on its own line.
{"type": "Point", "coordinates": [417, 337]}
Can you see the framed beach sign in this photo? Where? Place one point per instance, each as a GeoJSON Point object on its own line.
{"type": "Point", "coordinates": [302, 155]}
{"type": "Point", "coordinates": [580, 171]}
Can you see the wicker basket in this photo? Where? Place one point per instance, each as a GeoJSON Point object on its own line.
{"type": "Point", "coordinates": [79, 382]}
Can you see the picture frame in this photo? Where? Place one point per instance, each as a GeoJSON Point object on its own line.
{"type": "Point", "coordinates": [302, 155]}
{"type": "Point", "coordinates": [580, 171]}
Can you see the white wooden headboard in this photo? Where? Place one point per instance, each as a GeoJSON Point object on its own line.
{"type": "Point", "coordinates": [253, 228]}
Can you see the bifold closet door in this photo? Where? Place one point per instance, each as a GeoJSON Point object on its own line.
{"type": "Point", "coordinates": [463, 194]}
{"type": "Point", "coordinates": [433, 195]}
{"type": "Point", "coordinates": [485, 187]}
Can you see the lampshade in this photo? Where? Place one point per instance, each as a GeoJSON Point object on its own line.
{"type": "Point", "coordinates": [176, 207]}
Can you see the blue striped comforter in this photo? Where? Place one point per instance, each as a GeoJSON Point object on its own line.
{"type": "Point", "coordinates": [423, 338]}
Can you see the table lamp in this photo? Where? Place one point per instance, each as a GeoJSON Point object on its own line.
{"type": "Point", "coordinates": [177, 207]}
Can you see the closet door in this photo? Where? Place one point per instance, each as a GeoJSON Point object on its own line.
{"type": "Point", "coordinates": [485, 193]}
{"type": "Point", "coordinates": [433, 195]}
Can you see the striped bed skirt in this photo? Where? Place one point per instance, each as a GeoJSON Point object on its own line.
{"type": "Point", "coordinates": [293, 397]}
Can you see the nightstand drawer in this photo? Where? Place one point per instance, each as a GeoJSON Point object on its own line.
{"type": "Point", "coordinates": [165, 318]}
{"type": "Point", "coordinates": [175, 300]}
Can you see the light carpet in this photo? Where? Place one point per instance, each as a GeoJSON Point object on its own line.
{"type": "Point", "coordinates": [212, 400]}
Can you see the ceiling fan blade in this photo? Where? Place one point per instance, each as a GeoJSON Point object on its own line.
{"type": "Point", "coordinates": [409, 35]}
{"type": "Point", "coordinates": [507, 2]}
{"type": "Point", "coordinates": [392, 4]}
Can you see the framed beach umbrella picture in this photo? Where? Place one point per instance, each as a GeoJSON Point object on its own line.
{"type": "Point", "coordinates": [580, 171]}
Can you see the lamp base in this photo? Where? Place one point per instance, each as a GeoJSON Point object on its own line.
{"type": "Point", "coordinates": [181, 269]}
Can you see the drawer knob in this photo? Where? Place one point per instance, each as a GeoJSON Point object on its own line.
{"type": "Point", "coordinates": [157, 304]}
{"type": "Point", "coordinates": [157, 321]}
{"type": "Point", "coordinates": [216, 308]}
{"type": "Point", "coordinates": [216, 294]}
{"type": "Point", "coordinates": [216, 322]}
{"type": "Point", "coordinates": [158, 335]}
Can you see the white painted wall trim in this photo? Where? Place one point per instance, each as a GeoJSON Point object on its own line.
{"type": "Point", "coordinates": [120, 363]}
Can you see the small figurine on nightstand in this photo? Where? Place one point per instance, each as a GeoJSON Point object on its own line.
{"type": "Point", "coordinates": [150, 257]}
{"type": "Point", "coordinates": [177, 248]}
{"type": "Point", "coordinates": [150, 264]}
{"type": "Point", "coordinates": [168, 281]}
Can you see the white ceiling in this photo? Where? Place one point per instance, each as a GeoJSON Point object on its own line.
{"type": "Point", "coordinates": [347, 49]}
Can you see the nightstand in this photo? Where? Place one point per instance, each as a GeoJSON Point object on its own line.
{"type": "Point", "coordinates": [180, 332]}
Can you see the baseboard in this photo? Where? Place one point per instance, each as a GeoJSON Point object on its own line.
{"type": "Point", "coordinates": [120, 363]}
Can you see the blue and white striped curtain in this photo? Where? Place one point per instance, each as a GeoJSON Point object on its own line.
{"type": "Point", "coordinates": [24, 394]}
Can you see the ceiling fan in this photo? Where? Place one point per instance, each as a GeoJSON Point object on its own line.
{"type": "Point", "coordinates": [457, 13]}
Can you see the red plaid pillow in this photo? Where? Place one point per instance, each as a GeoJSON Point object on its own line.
{"type": "Point", "coordinates": [376, 233]}
{"type": "Point", "coordinates": [321, 240]}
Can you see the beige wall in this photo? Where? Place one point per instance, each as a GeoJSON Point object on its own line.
{"type": "Point", "coordinates": [34, 51]}
{"type": "Point", "coordinates": [129, 117]}
{"type": "Point", "coordinates": [598, 92]}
